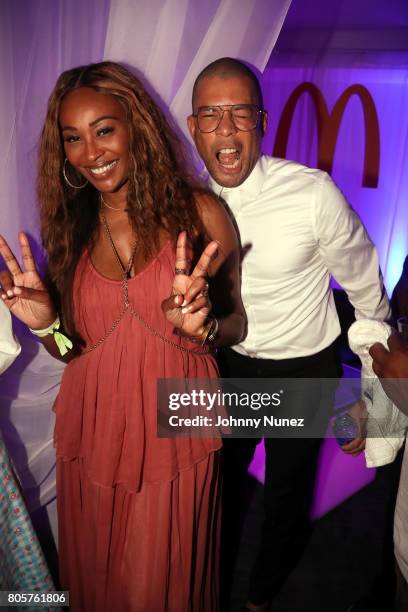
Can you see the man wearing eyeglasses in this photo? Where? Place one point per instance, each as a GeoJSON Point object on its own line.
{"type": "Point", "coordinates": [296, 230]}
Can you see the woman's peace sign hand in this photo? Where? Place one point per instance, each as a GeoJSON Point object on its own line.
{"type": "Point", "coordinates": [23, 291]}
{"type": "Point", "coordinates": [189, 306]}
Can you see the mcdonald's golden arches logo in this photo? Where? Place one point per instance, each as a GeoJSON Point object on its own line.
{"type": "Point", "coordinates": [328, 125]}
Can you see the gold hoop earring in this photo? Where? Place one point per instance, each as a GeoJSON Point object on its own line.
{"type": "Point", "coordinates": [67, 179]}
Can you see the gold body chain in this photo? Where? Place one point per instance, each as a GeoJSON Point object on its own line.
{"type": "Point", "coordinates": [128, 306]}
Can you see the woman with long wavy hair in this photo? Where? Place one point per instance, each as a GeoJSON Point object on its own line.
{"type": "Point", "coordinates": [128, 302]}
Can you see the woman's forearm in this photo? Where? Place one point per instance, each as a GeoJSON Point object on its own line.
{"type": "Point", "coordinates": [51, 347]}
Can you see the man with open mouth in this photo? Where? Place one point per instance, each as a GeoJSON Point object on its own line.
{"type": "Point", "coordinates": [297, 230]}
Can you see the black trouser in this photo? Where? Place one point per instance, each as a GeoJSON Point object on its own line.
{"type": "Point", "coordinates": [289, 474]}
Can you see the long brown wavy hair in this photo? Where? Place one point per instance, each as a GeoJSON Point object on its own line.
{"type": "Point", "coordinates": [160, 185]}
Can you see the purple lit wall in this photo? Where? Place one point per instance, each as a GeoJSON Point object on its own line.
{"type": "Point", "coordinates": [383, 209]}
{"type": "Point", "coordinates": [335, 45]}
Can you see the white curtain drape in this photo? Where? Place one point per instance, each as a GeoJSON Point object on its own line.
{"type": "Point", "coordinates": [176, 39]}
{"type": "Point", "coordinates": [38, 40]}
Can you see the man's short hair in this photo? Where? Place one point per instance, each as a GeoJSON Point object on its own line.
{"type": "Point", "coordinates": [225, 68]}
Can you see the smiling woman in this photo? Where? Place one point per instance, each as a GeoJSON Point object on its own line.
{"type": "Point", "coordinates": [138, 516]}
{"type": "Point", "coordinates": [96, 139]}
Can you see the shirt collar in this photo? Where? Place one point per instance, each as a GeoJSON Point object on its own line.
{"type": "Point", "coordinates": [251, 187]}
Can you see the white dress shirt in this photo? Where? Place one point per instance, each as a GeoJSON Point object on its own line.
{"type": "Point", "coordinates": [9, 346]}
{"type": "Point", "coordinates": [297, 230]}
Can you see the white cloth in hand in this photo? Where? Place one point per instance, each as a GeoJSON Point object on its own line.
{"type": "Point", "coordinates": [386, 424]}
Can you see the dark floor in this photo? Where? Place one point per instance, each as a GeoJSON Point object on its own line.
{"type": "Point", "coordinates": [349, 550]}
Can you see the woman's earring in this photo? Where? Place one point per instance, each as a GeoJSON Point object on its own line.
{"type": "Point", "coordinates": [67, 179]}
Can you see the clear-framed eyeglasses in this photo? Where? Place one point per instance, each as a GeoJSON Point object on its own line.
{"type": "Point", "coordinates": [245, 117]}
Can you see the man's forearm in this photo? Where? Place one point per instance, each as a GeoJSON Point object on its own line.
{"type": "Point", "coordinates": [231, 330]}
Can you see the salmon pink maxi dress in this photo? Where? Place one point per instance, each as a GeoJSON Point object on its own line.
{"type": "Point", "coordinates": [138, 515]}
